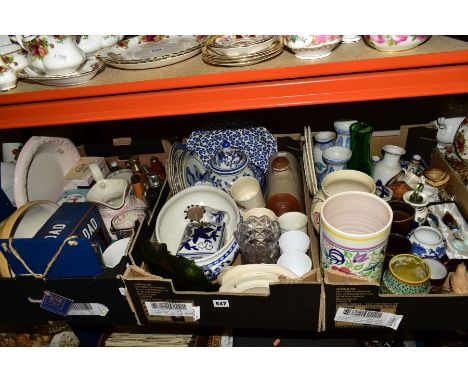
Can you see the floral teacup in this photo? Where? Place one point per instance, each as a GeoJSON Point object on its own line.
{"type": "Point", "coordinates": [14, 56]}
{"type": "Point", "coordinates": [395, 43]}
{"type": "Point", "coordinates": [312, 47]}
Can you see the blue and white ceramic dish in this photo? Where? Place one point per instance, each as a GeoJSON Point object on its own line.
{"type": "Point", "coordinates": [256, 142]}
{"type": "Point", "coordinates": [201, 240]}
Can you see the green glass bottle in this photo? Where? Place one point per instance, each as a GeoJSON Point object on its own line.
{"type": "Point", "coordinates": [361, 134]}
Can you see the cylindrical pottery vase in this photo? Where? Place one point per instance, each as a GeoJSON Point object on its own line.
{"type": "Point", "coordinates": [343, 137]}
{"type": "Point", "coordinates": [284, 191]}
{"type": "Point", "coordinates": [428, 242]}
{"type": "Point", "coordinates": [352, 240]}
{"type": "Point", "coordinates": [361, 134]}
{"type": "Point", "coordinates": [389, 166]}
{"type": "Point", "coordinates": [323, 141]}
{"type": "Point", "coordinates": [406, 274]}
{"type": "Point", "coordinates": [336, 182]}
{"type": "Point", "coordinates": [335, 158]}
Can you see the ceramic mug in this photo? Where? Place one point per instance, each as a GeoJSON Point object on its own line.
{"type": "Point", "coordinates": [293, 221]}
{"type": "Point", "coordinates": [247, 193]}
{"type": "Point", "coordinates": [10, 151]}
{"type": "Point", "coordinates": [406, 274]}
{"type": "Point", "coordinates": [354, 229]}
{"type": "Point", "coordinates": [296, 241]}
{"type": "Point", "coordinates": [297, 262]}
{"type": "Point", "coordinates": [336, 182]}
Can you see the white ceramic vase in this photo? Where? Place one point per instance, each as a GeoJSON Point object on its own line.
{"type": "Point", "coordinates": [342, 127]}
{"type": "Point", "coordinates": [324, 140]}
{"type": "Point", "coordinates": [389, 166]}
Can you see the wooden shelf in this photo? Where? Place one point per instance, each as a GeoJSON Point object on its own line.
{"type": "Point", "coordinates": [354, 72]}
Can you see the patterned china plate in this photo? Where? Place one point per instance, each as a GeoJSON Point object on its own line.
{"type": "Point", "coordinates": [146, 52]}
{"type": "Point", "coordinates": [310, 162]}
{"type": "Point", "coordinates": [193, 169]}
{"type": "Point", "coordinates": [87, 72]}
{"type": "Point", "coordinates": [460, 141]}
{"type": "Point", "coordinates": [238, 45]}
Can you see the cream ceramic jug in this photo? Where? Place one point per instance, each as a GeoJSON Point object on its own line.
{"type": "Point", "coordinates": [53, 54]}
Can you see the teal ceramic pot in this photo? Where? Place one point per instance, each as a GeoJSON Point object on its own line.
{"type": "Point", "coordinates": [406, 274]}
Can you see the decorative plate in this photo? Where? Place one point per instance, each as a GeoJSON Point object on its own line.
{"type": "Point", "coordinates": [146, 52]}
{"type": "Point", "coordinates": [193, 169]}
{"type": "Point", "coordinates": [171, 222]}
{"type": "Point", "coordinates": [87, 72]}
{"type": "Point", "coordinates": [460, 141]}
{"type": "Point", "coordinates": [41, 166]}
{"type": "Point", "coordinates": [238, 45]}
{"type": "Point", "coordinates": [256, 142]}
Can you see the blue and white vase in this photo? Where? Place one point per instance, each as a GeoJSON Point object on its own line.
{"type": "Point", "coordinates": [428, 242]}
{"type": "Point", "coordinates": [230, 163]}
{"type": "Point", "coordinates": [343, 137]}
{"type": "Point", "coordinates": [323, 140]}
{"type": "Point", "coordinates": [336, 158]}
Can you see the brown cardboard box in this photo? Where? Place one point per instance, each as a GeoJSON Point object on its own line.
{"type": "Point", "coordinates": [294, 304]}
{"type": "Point", "coordinates": [433, 311]}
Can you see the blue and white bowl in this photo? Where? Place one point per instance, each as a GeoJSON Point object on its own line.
{"type": "Point", "coordinates": [428, 242]}
{"type": "Point", "coordinates": [336, 158]}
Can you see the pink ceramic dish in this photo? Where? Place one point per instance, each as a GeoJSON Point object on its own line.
{"type": "Point", "coordinates": [395, 43]}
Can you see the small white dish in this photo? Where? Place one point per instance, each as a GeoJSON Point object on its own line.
{"type": "Point", "coordinates": [41, 166]}
{"type": "Point", "coordinates": [84, 74]}
{"type": "Point", "coordinates": [297, 262]}
{"type": "Point", "coordinates": [114, 252]}
{"type": "Point", "coordinates": [297, 241]}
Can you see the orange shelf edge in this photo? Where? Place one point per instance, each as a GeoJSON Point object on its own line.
{"type": "Point", "coordinates": [256, 95]}
{"type": "Point", "coordinates": [236, 77]}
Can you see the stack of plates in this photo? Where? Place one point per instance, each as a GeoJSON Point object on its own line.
{"type": "Point", "coordinates": [147, 52]}
{"type": "Point", "coordinates": [184, 168]}
{"type": "Point", "coordinates": [241, 50]}
{"type": "Point", "coordinates": [308, 161]}
{"type": "Point", "coordinates": [252, 278]}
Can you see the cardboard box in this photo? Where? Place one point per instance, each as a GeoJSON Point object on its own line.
{"type": "Point", "coordinates": [98, 300]}
{"type": "Point", "coordinates": [294, 305]}
{"type": "Point", "coordinates": [432, 311]}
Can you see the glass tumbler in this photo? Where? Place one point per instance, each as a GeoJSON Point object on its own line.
{"type": "Point", "coordinates": [258, 240]}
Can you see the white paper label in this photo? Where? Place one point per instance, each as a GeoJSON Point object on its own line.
{"type": "Point", "coordinates": [368, 317]}
{"type": "Point", "coordinates": [172, 309]}
{"type": "Point", "coordinates": [87, 309]}
{"type": "Point", "coordinates": [221, 303]}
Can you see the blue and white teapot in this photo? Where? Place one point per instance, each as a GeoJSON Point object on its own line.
{"type": "Point", "coordinates": [230, 163]}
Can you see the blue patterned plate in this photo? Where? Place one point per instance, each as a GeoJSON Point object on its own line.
{"type": "Point", "coordinates": [256, 142]}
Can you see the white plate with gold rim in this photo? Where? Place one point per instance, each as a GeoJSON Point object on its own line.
{"type": "Point", "coordinates": [42, 164]}
{"type": "Point", "coordinates": [239, 45]}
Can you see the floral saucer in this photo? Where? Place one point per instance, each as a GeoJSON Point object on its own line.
{"type": "Point", "coordinates": [237, 45]}
{"type": "Point", "coordinates": [460, 141]}
{"type": "Point", "coordinates": [151, 51]}
{"type": "Point", "coordinates": [87, 72]}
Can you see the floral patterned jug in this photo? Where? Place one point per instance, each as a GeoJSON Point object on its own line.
{"type": "Point", "coordinates": [53, 54]}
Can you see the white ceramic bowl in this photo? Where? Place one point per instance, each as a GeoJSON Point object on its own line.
{"type": "Point", "coordinates": [395, 43]}
{"type": "Point", "coordinates": [293, 221]}
{"type": "Point", "coordinates": [260, 212]}
{"type": "Point", "coordinates": [296, 241]}
{"type": "Point", "coordinates": [297, 262]}
{"type": "Point", "coordinates": [312, 47]}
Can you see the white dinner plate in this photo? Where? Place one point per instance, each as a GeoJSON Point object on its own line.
{"type": "Point", "coordinates": [41, 166]}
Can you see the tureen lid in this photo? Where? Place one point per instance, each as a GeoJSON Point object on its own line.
{"type": "Point", "coordinates": [228, 160]}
